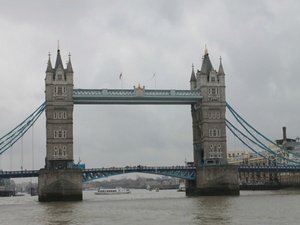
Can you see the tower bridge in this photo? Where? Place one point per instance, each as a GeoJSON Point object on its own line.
{"type": "Point", "coordinates": [210, 175]}
{"type": "Point", "coordinates": [213, 176]}
{"type": "Point", "coordinates": [60, 180]}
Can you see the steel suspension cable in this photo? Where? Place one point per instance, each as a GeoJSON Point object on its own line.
{"type": "Point", "coordinates": [24, 121]}
{"type": "Point", "coordinates": [231, 127]}
{"type": "Point", "coordinates": [16, 134]}
{"type": "Point", "coordinates": [260, 134]}
{"type": "Point", "coordinates": [262, 145]}
{"type": "Point", "coordinates": [16, 137]}
{"type": "Point", "coordinates": [21, 126]}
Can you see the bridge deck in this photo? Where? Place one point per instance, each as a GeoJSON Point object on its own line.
{"type": "Point", "coordinates": [136, 96]}
{"type": "Point", "coordinates": [184, 172]}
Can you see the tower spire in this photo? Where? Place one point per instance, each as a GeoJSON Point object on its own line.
{"type": "Point", "coordinates": [193, 77]}
{"type": "Point", "coordinates": [221, 70]}
{"type": "Point", "coordinates": [206, 64]}
{"type": "Point", "coordinates": [205, 50]}
{"type": "Point", "coordinates": [69, 64]}
{"type": "Point", "coordinates": [58, 60]}
{"type": "Point", "coordinates": [49, 65]}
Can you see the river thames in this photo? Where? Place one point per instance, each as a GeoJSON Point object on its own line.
{"type": "Point", "coordinates": [166, 207]}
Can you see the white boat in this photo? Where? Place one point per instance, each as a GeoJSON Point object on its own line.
{"type": "Point", "coordinates": [149, 188]}
{"type": "Point", "coordinates": [112, 191]}
{"type": "Point", "coordinates": [181, 187]}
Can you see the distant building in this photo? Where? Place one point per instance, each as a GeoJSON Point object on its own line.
{"type": "Point", "coordinates": [7, 187]}
{"type": "Point", "coordinates": [288, 143]}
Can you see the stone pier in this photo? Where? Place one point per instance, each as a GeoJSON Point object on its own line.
{"type": "Point", "coordinates": [60, 185]}
{"type": "Point", "coordinates": [214, 180]}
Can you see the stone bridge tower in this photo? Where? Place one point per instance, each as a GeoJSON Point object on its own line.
{"type": "Point", "coordinates": [214, 175]}
{"type": "Point", "coordinates": [59, 180]}
{"type": "Point", "coordinates": [59, 115]}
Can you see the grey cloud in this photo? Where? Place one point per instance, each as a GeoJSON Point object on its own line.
{"type": "Point", "coordinates": [258, 42]}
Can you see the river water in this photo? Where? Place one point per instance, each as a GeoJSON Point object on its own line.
{"type": "Point", "coordinates": [166, 207]}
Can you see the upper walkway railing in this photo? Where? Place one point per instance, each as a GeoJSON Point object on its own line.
{"type": "Point", "coordinates": [136, 96]}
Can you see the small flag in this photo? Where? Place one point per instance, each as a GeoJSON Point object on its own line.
{"type": "Point", "coordinates": [120, 76]}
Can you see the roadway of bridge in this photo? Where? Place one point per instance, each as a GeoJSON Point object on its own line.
{"type": "Point", "coordinates": [183, 172]}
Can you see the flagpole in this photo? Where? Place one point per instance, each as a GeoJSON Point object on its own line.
{"type": "Point", "coordinates": [154, 76]}
{"type": "Point", "coordinates": [121, 79]}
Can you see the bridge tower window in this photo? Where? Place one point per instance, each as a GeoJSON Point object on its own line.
{"type": "Point", "coordinates": [214, 132]}
{"type": "Point", "coordinates": [60, 91]}
{"type": "Point", "coordinates": [60, 133]}
{"type": "Point", "coordinates": [60, 151]}
{"type": "Point", "coordinates": [59, 76]}
{"type": "Point", "coordinates": [59, 115]}
{"type": "Point", "coordinates": [215, 151]}
{"type": "Point", "coordinates": [213, 91]}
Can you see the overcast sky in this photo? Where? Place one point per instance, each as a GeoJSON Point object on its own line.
{"type": "Point", "coordinates": [257, 40]}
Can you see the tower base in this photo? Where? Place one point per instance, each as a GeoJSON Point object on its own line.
{"type": "Point", "coordinates": [214, 180]}
{"type": "Point", "coordinates": [60, 185]}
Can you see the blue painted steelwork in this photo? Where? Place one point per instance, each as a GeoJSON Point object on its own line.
{"type": "Point", "coordinates": [19, 174]}
{"type": "Point", "coordinates": [136, 96]}
{"type": "Point", "coordinates": [248, 168]}
{"type": "Point", "coordinates": [183, 172]}
{"type": "Point", "coordinates": [15, 134]}
{"type": "Point", "coordinates": [253, 136]}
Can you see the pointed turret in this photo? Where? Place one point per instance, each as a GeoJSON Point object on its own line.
{"type": "Point", "coordinates": [193, 81]}
{"type": "Point", "coordinates": [69, 65]}
{"type": "Point", "coordinates": [221, 70]}
{"type": "Point", "coordinates": [206, 64]}
{"type": "Point", "coordinates": [58, 60]}
{"type": "Point", "coordinates": [49, 65]}
{"type": "Point", "coordinates": [193, 76]}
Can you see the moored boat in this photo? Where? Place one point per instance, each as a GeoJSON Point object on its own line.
{"type": "Point", "coordinates": [112, 191]}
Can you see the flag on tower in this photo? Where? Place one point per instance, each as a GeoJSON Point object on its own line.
{"type": "Point", "coordinates": [120, 76]}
